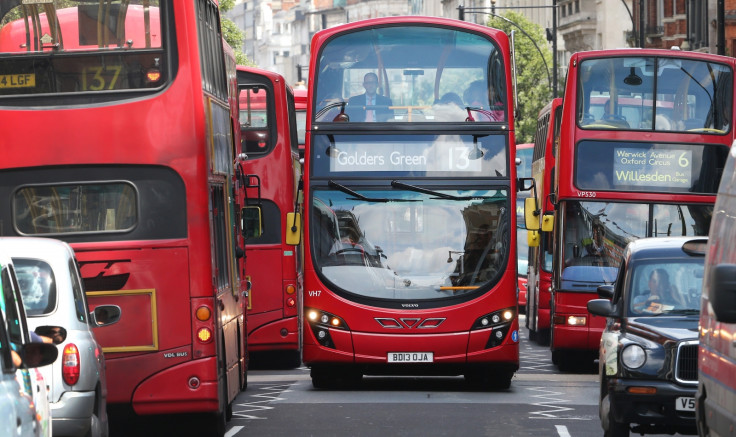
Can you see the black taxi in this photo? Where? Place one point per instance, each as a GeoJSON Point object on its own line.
{"type": "Point", "coordinates": [649, 349]}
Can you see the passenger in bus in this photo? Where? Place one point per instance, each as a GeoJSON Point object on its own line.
{"type": "Point", "coordinates": [483, 99]}
{"type": "Point", "coordinates": [450, 107]}
{"type": "Point", "coordinates": [370, 106]}
{"type": "Point", "coordinates": [661, 295]}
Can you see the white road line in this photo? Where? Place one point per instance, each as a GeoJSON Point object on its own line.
{"type": "Point", "coordinates": [561, 430]}
{"type": "Point", "coordinates": [234, 430]}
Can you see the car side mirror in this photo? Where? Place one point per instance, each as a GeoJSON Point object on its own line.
{"type": "Point", "coordinates": [722, 292]}
{"type": "Point", "coordinates": [39, 354]}
{"type": "Point", "coordinates": [104, 315]}
{"type": "Point", "coordinates": [57, 334]}
{"type": "Point", "coordinates": [605, 291]}
{"type": "Point", "coordinates": [601, 307]}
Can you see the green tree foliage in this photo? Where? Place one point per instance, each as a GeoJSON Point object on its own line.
{"type": "Point", "coordinates": [533, 77]}
{"type": "Point", "coordinates": [232, 34]}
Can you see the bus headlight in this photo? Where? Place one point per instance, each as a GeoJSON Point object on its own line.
{"type": "Point", "coordinates": [499, 323]}
{"type": "Point", "coordinates": [321, 322]}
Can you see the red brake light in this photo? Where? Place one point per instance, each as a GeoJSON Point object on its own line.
{"type": "Point", "coordinates": [70, 364]}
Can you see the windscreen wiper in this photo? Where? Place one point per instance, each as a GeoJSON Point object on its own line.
{"type": "Point", "coordinates": [359, 196]}
{"type": "Point", "coordinates": [397, 184]}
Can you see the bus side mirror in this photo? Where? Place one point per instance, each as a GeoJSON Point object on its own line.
{"type": "Point", "coordinates": [531, 214]}
{"type": "Point", "coordinates": [524, 184]}
{"type": "Point", "coordinates": [548, 222]}
{"type": "Point", "coordinates": [722, 293]}
{"type": "Point", "coordinates": [252, 224]}
{"type": "Point", "coordinates": [532, 238]}
{"type": "Point", "coordinates": [293, 228]}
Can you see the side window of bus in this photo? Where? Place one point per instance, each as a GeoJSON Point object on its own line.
{"type": "Point", "coordinates": [271, 219]}
{"type": "Point", "coordinates": [255, 110]}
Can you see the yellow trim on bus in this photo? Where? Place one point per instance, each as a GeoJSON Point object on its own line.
{"type": "Point", "coordinates": [154, 319]}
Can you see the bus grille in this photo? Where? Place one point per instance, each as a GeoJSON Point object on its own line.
{"type": "Point", "coordinates": [686, 367]}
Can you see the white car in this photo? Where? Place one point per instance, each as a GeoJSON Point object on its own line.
{"type": "Point", "coordinates": [53, 294]}
{"type": "Point", "coordinates": [24, 406]}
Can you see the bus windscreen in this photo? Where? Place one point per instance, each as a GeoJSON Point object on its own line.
{"type": "Point", "coordinates": [420, 74]}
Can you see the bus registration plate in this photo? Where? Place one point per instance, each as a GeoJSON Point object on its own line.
{"type": "Point", "coordinates": [685, 404]}
{"type": "Point", "coordinates": [410, 357]}
{"type": "Point", "coordinates": [17, 80]}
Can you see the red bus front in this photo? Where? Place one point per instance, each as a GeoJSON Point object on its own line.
{"type": "Point", "coordinates": [642, 148]}
{"type": "Point", "coordinates": [410, 249]}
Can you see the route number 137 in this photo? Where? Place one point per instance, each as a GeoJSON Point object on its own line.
{"type": "Point", "coordinates": [100, 78]}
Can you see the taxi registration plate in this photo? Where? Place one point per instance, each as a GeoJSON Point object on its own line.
{"type": "Point", "coordinates": [17, 80]}
{"type": "Point", "coordinates": [410, 357]}
{"type": "Point", "coordinates": [685, 404]}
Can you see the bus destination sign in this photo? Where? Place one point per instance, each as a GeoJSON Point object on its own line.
{"type": "Point", "coordinates": [404, 157]}
{"type": "Point", "coordinates": [654, 167]}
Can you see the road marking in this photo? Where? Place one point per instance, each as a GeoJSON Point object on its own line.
{"type": "Point", "coordinates": [234, 430]}
{"type": "Point", "coordinates": [270, 393]}
{"type": "Point", "coordinates": [562, 431]}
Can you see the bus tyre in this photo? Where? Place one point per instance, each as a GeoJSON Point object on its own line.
{"type": "Point", "coordinates": [532, 335]}
{"type": "Point", "coordinates": [489, 379]}
{"type": "Point", "coordinates": [700, 423]}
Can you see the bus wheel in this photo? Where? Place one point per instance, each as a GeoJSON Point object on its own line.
{"type": "Point", "coordinates": [322, 378]}
{"type": "Point", "coordinates": [532, 335]}
{"type": "Point", "coordinates": [543, 337]}
{"type": "Point", "coordinates": [701, 424]}
{"type": "Point", "coordinates": [489, 379]}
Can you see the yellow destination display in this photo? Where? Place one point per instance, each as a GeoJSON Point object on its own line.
{"type": "Point", "coordinates": [17, 80]}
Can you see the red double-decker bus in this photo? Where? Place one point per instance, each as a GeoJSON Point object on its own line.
{"type": "Point", "coordinates": [120, 137]}
{"type": "Point", "coordinates": [523, 170]}
{"type": "Point", "coordinates": [268, 136]}
{"type": "Point", "coordinates": [409, 194]}
{"type": "Point", "coordinates": [538, 294]}
{"type": "Point", "coordinates": [643, 141]}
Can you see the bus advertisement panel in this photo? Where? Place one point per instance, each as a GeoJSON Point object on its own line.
{"type": "Point", "coordinates": [538, 294]}
{"type": "Point", "coordinates": [118, 137]}
{"type": "Point", "coordinates": [410, 254]}
{"type": "Point", "coordinates": [646, 164]}
{"type": "Point", "coordinates": [268, 136]}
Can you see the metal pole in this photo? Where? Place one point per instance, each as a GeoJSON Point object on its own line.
{"type": "Point", "coordinates": [721, 44]}
{"type": "Point", "coordinates": [554, 48]}
{"type": "Point", "coordinates": [641, 24]}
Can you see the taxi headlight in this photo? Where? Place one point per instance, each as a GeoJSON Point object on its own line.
{"type": "Point", "coordinates": [633, 356]}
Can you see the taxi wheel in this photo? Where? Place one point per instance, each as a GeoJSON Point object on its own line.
{"type": "Point", "coordinates": [611, 428]}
